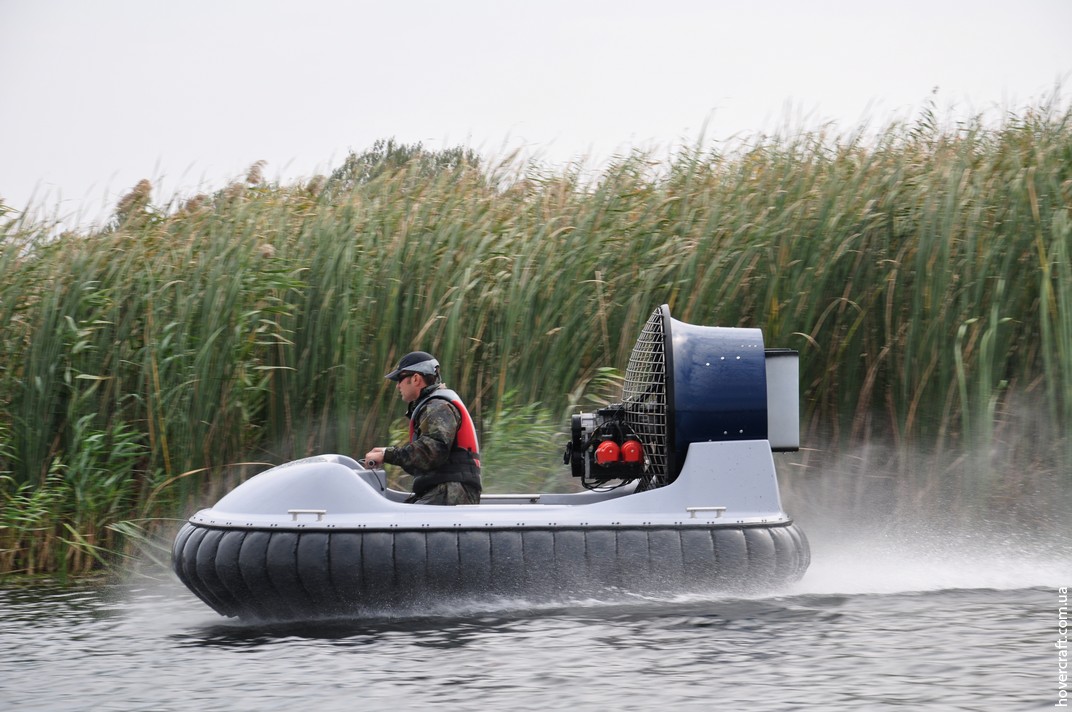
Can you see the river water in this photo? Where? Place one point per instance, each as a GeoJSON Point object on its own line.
{"type": "Point", "coordinates": [914, 624]}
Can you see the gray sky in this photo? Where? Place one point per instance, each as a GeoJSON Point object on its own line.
{"type": "Point", "coordinates": [98, 94]}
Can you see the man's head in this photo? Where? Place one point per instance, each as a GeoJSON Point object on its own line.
{"type": "Point", "coordinates": [415, 371]}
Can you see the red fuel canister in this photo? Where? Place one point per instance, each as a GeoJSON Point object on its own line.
{"type": "Point", "coordinates": [607, 452]}
{"type": "Point", "coordinates": [632, 451]}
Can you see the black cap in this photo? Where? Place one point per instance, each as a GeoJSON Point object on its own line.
{"type": "Point", "coordinates": [415, 362]}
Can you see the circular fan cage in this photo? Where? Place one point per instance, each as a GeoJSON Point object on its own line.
{"type": "Point", "coordinates": [685, 384]}
{"type": "Point", "coordinates": [645, 394]}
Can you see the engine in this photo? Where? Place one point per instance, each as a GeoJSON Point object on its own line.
{"type": "Point", "coordinates": [604, 447]}
{"type": "Point", "coordinates": [683, 384]}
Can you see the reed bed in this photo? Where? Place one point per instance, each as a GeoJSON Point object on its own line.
{"type": "Point", "coordinates": [924, 275]}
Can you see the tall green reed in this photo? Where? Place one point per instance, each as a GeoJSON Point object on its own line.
{"type": "Point", "coordinates": [922, 273]}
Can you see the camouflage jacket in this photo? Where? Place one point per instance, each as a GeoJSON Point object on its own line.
{"type": "Point", "coordinates": [430, 450]}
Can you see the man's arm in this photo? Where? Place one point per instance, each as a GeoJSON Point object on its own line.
{"type": "Point", "coordinates": [438, 427]}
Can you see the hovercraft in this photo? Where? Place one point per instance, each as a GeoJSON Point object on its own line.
{"type": "Point", "coordinates": [680, 495]}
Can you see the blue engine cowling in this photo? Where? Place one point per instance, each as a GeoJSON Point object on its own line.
{"type": "Point", "coordinates": [684, 384]}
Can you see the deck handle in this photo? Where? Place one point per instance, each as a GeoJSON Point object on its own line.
{"type": "Point", "coordinates": [510, 498]}
{"type": "Point", "coordinates": [693, 510]}
{"type": "Point", "coordinates": [318, 512]}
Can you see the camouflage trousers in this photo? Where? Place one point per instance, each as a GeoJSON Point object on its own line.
{"type": "Point", "coordinates": [448, 493]}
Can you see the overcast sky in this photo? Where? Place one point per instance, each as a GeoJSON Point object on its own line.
{"type": "Point", "coordinates": [98, 94]}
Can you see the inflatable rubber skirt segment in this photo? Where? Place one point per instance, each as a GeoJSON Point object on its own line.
{"type": "Point", "coordinates": [281, 575]}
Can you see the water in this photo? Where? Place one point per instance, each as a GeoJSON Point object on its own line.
{"type": "Point", "coordinates": [875, 624]}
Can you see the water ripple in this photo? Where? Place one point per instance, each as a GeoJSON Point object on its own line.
{"type": "Point", "coordinates": [157, 648]}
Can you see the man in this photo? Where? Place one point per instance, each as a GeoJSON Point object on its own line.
{"type": "Point", "coordinates": [442, 454]}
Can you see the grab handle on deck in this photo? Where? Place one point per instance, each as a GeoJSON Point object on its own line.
{"type": "Point", "coordinates": [318, 512]}
{"type": "Point", "coordinates": [693, 510]}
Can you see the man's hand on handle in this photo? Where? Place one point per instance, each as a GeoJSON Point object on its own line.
{"type": "Point", "coordinates": [374, 458]}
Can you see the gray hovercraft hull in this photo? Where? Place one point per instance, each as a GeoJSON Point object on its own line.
{"type": "Point", "coordinates": [319, 538]}
{"type": "Point", "coordinates": [288, 575]}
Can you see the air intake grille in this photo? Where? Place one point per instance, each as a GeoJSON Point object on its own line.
{"type": "Point", "coordinates": [644, 394]}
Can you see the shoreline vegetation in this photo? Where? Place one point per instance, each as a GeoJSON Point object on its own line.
{"type": "Point", "coordinates": [924, 274]}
